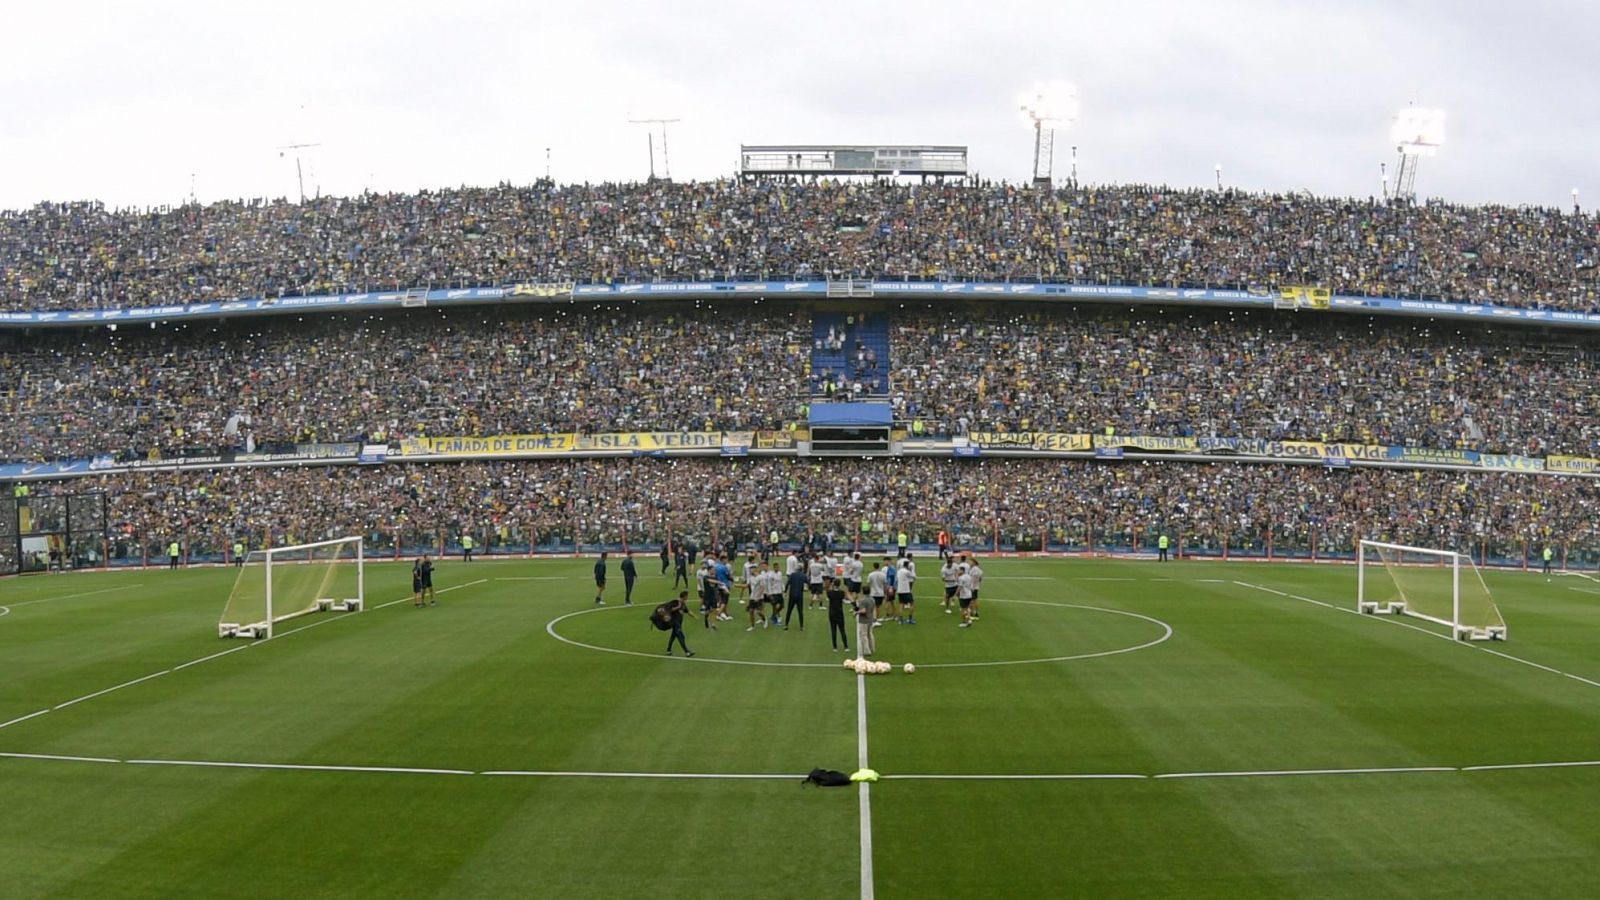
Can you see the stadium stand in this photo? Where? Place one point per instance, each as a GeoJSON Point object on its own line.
{"type": "Point", "coordinates": [1020, 368]}
{"type": "Point", "coordinates": [1252, 509]}
{"type": "Point", "coordinates": [675, 366]}
{"type": "Point", "coordinates": [79, 255]}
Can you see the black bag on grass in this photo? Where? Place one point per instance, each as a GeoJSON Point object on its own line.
{"type": "Point", "coordinates": [826, 778]}
{"type": "Point", "coordinates": [661, 618]}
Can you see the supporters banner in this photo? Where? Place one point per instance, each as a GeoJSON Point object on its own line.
{"type": "Point", "coordinates": [1046, 441]}
{"type": "Point", "coordinates": [745, 439]}
{"type": "Point", "coordinates": [1148, 443]}
{"type": "Point", "coordinates": [1277, 449]}
{"type": "Point", "coordinates": [1572, 464]}
{"type": "Point", "coordinates": [562, 443]}
{"type": "Point", "coordinates": [774, 440]}
{"type": "Point", "coordinates": [541, 289]}
{"type": "Point", "coordinates": [1428, 455]}
{"type": "Point", "coordinates": [497, 445]}
{"type": "Point", "coordinates": [648, 441]}
{"type": "Point", "coordinates": [1510, 462]}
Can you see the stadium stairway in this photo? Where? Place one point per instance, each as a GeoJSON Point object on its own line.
{"type": "Point", "coordinates": [868, 332]}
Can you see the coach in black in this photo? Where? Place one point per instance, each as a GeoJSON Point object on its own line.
{"type": "Point", "coordinates": [629, 573]}
{"type": "Point", "coordinates": [836, 632]}
{"type": "Point", "coordinates": [600, 580]}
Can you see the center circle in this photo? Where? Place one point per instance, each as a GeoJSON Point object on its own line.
{"type": "Point", "coordinates": [1166, 632]}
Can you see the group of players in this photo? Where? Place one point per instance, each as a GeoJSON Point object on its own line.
{"type": "Point", "coordinates": [775, 594]}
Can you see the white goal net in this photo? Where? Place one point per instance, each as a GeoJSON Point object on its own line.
{"type": "Point", "coordinates": [284, 582]}
{"type": "Point", "coordinates": [1436, 585]}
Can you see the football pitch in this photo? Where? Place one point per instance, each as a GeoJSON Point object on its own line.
{"type": "Point", "coordinates": [1108, 728]}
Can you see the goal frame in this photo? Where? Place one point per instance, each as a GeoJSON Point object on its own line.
{"type": "Point", "coordinates": [322, 604]}
{"type": "Point", "coordinates": [1458, 631]}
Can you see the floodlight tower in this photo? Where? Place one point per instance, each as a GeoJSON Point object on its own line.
{"type": "Point", "coordinates": [1046, 107]}
{"type": "Point", "coordinates": [299, 173]}
{"type": "Point", "coordinates": [1417, 132]}
{"type": "Point", "coordinates": [666, 167]}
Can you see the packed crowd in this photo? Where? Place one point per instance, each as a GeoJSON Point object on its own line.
{"type": "Point", "coordinates": [1258, 376]}
{"type": "Point", "coordinates": [386, 378]}
{"type": "Point", "coordinates": [683, 367]}
{"type": "Point", "coordinates": [643, 500]}
{"type": "Point", "coordinates": [75, 255]}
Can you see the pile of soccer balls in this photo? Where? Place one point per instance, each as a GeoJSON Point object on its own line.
{"type": "Point", "coordinates": [874, 667]}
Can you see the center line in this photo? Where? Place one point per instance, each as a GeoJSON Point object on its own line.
{"type": "Point", "coordinates": [865, 788]}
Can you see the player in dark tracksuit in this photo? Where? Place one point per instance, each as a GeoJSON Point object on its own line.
{"type": "Point", "coordinates": [629, 573]}
{"type": "Point", "coordinates": [680, 570]}
{"type": "Point", "coordinates": [600, 580]}
{"type": "Point", "coordinates": [836, 632]}
{"type": "Point", "coordinates": [678, 608]}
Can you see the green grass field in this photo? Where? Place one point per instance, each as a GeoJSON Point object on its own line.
{"type": "Point", "coordinates": [1255, 694]}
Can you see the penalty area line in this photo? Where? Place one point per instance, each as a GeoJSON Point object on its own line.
{"type": "Point", "coordinates": [218, 655]}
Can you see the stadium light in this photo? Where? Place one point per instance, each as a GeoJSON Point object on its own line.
{"type": "Point", "coordinates": [1045, 107]}
{"type": "Point", "coordinates": [1575, 209]}
{"type": "Point", "coordinates": [1417, 132]}
{"type": "Point", "coordinates": [1219, 176]}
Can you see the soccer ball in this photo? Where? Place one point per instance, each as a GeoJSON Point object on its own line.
{"type": "Point", "coordinates": [860, 665]}
{"type": "Point", "coordinates": [849, 664]}
{"type": "Point", "coordinates": [884, 668]}
{"type": "Point", "coordinates": [910, 668]}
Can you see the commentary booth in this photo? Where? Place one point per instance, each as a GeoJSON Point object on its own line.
{"type": "Point", "coordinates": [859, 429]}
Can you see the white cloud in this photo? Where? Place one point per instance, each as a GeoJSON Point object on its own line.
{"type": "Point", "coordinates": [127, 102]}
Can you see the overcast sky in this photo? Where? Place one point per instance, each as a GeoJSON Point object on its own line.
{"type": "Point", "coordinates": [140, 103]}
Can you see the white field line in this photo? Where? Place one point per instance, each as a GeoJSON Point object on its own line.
{"type": "Point", "coordinates": [865, 788]}
{"type": "Point", "coordinates": [212, 656]}
{"type": "Point", "coordinates": [24, 718]}
{"type": "Point", "coordinates": [1064, 776]}
{"type": "Point", "coordinates": [717, 776]}
{"type": "Point", "coordinates": [550, 629]}
{"type": "Point", "coordinates": [294, 767]}
{"type": "Point", "coordinates": [779, 776]}
{"type": "Point", "coordinates": [1016, 578]}
{"type": "Point", "coordinates": [122, 587]}
{"type": "Point", "coordinates": [5, 610]}
{"type": "Point", "coordinates": [532, 578]}
{"type": "Point", "coordinates": [196, 662]}
{"type": "Point", "coordinates": [80, 594]}
{"type": "Point", "coordinates": [1293, 772]}
{"type": "Point", "coordinates": [1394, 621]}
{"type": "Point", "coordinates": [1536, 765]}
{"type": "Point", "coordinates": [60, 758]}
{"type": "Point", "coordinates": [108, 690]}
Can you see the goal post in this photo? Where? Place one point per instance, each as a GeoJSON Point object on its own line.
{"type": "Point", "coordinates": [285, 582]}
{"type": "Point", "coordinates": [1439, 586]}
